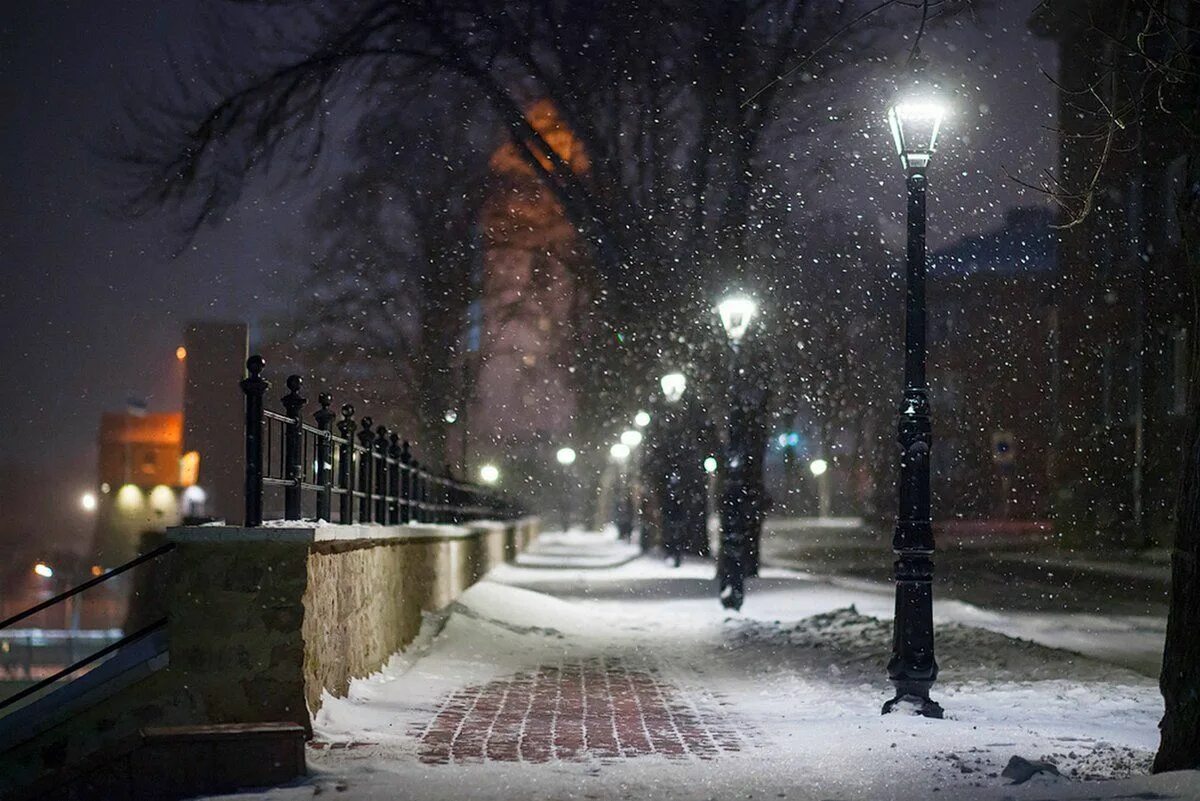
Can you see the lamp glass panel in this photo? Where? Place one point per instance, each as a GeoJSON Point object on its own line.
{"type": "Point", "coordinates": [673, 386]}
{"type": "Point", "coordinates": [736, 314]}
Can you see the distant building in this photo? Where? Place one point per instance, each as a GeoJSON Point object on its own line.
{"type": "Point", "coordinates": [155, 469]}
{"type": "Point", "coordinates": [214, 419]}
{"type": "Point", "coordinates": [991, 339]}
{"type": "Point", "coordinates": [139, 476]}
{"type": "Point", "coordinates": [530, 297]}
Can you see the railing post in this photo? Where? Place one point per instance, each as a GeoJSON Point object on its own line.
{"type": "Point", "coordinates": [366, 438]}
{"type": "Point", "coordinates": [293, 450]}
{"type": "Point", "coordinates": [345, 476]}
{"type": "Point", "coordinates": [254, 386]}
{"type": "Point", "coordinates": [395, 471]}
{"type": "Point", "coordinates": [381, 474]}
{"type": "Point", "coordinates": [406, 483]}
{"type": "Point", "coordinates": [453, 497]}
{"type": "Point", "coordinates": [417, 494]}
{"type": "Point", "coordinates": [426, 512]}
{"type": "Point", "coordinates": [439, 497]}
{"type": "Point", "coordinates": [324, 417]}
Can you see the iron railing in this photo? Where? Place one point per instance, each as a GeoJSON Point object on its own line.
{"type": "Point", "coordinates": [346, 470]}
{"type": "Point", "coordinates": [88, 660]}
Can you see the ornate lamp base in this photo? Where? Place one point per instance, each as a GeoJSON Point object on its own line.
{"type": "Point", "coordinates": [914, 704]}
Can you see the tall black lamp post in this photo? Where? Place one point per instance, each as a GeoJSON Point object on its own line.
{"type": "Point", "coordinates": [736, 315]}
{"type": "Point", "coordinates": [912, 668]}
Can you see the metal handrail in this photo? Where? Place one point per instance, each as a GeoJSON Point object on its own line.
{"type": "Point", "coordinates": [62, 596]}
{"type": "Point", "coordinates": [87, 660]}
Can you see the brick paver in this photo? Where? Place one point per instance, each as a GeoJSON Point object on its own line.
{"type": "Point", "coordinates": [585, 708]}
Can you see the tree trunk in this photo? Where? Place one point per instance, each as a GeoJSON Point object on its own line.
{"type": "Point", "coordinates": [1180, 679]}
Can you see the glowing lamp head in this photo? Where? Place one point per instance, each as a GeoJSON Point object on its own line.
{"type": "Point", "coordinates": [710, 465]}
{"type": "Point", "coordinates": [619, 451]}
{"type": "Point", "coordinates": [489, 474]}
{"type": "Point", "coordinates": [565, 456]}
{"type": "Point", "coordinates": [736, 316]}
{"type": "Point", "coordinates": [44, 570]}
{"type": "Point", "coordinates": [631, 438]}
{"type": "Point", "coordinates": [673, 386]}
{"type": "Point", "coordinates": [641, 419]}
{"type": "Point", "coordinates": [88, 501]}
{"type": "Point", "coordinates": [818, 467]}
{"type": "Point", "coordinates": [915, 124]}
{"type": "Point", "coordinates": [181, 353]}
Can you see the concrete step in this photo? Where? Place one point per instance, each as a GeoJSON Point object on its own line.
{"type": "Point", "coordinates": [172, 763]}
{"type": "Point", "coordinates": [176, 762]}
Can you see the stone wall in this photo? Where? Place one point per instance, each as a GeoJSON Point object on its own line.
{"type": "Point", "coordinates": [263, 621]}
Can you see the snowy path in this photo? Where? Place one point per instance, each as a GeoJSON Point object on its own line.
{"type": "Point", "coordinates": [631, 682]}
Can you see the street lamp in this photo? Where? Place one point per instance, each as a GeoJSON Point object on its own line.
{"type": "Point", "coordinates": [642, 419]}
{"type": "Point", "coordinates": [736, 312]}
{"type": "Point", "coordinates": [820, 470]}
{"type": "Point", "coordinates": [489, 474]}
{"type": "Point", "coordinates": [673, 386]}
{"type": "Point", "coordinates": [566, 458]}
{"type": "Point", "coordinates": [915, 123]}
{"type": "Point", "coordinates": [88, 501]}
{"type": "Point", "coordinates": [619, 451]}
{"type": "Point", "coordinates": [631, 438]}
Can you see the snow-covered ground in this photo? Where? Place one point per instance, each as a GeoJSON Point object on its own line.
{"type": "Point", "coordinates": [788, 692]}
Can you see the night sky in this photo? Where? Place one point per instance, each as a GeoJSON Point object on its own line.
{"type": "Point", "coordinates": [93, 307]}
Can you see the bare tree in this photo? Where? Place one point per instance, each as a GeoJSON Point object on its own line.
{"type": "Point", "coordinates": [674, 103]}
{"type": "Point", "coordinates": [384, 313]}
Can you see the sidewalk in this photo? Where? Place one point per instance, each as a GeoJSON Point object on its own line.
{"type": "Point", "coordinates": [632, 682]}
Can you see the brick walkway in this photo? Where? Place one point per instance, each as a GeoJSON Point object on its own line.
{"type": "Point", "coordinates": [576, 710]}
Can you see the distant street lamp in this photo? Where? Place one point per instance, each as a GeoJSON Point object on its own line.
{"type": "Point", "coordinates": [631, 438]}
{"type": "Point", "coordinates": [820, 470]}
{"type": "Point", "coordinates": [566, 458]}
{"type": "Point", "coordinates": [736, 313]}
{"type": "Point", "coordinates": [88, 501]}
{"type": "Point", "coordinates": [641, 419]}
{"type": "Point", "coordinates": [489, 474]}
{"type": "Point", "coordinates": [673, 386]}
{"type": "Point", "coordinates": [915, 123]}
{"type": "Point", "coordinates": [619, 451]}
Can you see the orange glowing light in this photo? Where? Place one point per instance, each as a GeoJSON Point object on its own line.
{"type": "Point", "coordinates": [181, 353]}
{"type": "Point", "coordinates": [189, 468]}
